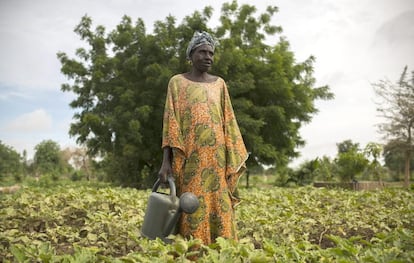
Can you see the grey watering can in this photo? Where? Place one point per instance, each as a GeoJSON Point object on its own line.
{"type": "Point", "coordinates": [164, 210]}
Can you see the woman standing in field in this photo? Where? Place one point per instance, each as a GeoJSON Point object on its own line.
{"type": "Point", "coordinates": [202, 145]}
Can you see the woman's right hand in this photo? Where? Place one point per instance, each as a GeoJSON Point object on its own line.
{"type": "Point", "coordinates": [166, 168]}
{"type": "Point", "coordinates": [164, 171]}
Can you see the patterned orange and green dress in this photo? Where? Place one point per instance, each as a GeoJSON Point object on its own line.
{"type": "Point", "coordinates": [208, 154]}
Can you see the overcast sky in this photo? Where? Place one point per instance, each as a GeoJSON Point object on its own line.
{"type": "Point", "coordinates": [355, 42]}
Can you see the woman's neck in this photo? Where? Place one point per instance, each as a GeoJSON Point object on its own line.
{"type": "Point", "coordinates": [200, 76]}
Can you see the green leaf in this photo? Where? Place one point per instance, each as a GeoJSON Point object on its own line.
{"type": "Point", "coordinates": [19, 253]}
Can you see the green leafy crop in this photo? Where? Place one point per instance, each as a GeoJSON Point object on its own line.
{"type": "Point", "coordinates": [76, 223]}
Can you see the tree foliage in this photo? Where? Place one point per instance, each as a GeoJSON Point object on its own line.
{"type": "Point", "coordinates": [10, 163]}
{"type": "Point", "coordinates": [47, 159]}
{"type": "Point", "coordinates": [273, 95]}
{"type": "Point", "coordinates": [81, 162]}
{"type": "Point", "coordinates": [325, 170]}
{"type": "Point", "coordinates": [373, 152]}
{"type": "Point", "coordinates": [396, 106]}
{"type": "Point", "coordinates": [306, 172]}
{"type": "Point", "coordinates": [394, 160]}
{"type": "Point", "coordinates": [120, 83]}
{"type": "Point", "coordinates": [350, 160]}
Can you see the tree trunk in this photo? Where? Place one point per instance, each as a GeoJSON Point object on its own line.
{"type": "Point", "coordinates": [407, 169]}
{"type": "Point", "coordinates": [247, 179]}
{"type": "Point", "coordinates": [85, 167]}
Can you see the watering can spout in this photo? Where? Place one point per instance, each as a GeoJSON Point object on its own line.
{"type": "Point", "coordinates": [188, 204]}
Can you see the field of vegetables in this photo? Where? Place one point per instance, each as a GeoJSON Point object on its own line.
{"type": "Point", "coordinates": [85, 223]}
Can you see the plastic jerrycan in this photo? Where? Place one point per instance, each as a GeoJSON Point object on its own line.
{"type": "Point", "coordinates": [161, 210]}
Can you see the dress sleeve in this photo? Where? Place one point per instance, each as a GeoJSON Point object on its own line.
{"type": "Point", "coordinates": [171, 132]}
{"type": "Point", "coordinates": [236, 153]}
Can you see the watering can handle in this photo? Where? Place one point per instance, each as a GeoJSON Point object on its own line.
{"type": "Point", "coordinates": [170, 183]}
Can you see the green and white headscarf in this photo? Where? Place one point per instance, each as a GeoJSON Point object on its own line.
{"type": "Point", "coordinates": [200, 38]}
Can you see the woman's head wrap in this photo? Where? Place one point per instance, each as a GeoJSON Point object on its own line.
{"type": "Point", "coordinates": [200, 38]}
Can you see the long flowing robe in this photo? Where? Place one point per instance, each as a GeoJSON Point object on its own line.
{"type": "Point", "coordinates": [208, 154]}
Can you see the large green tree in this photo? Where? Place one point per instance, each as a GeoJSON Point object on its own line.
{"type": "Point", "coordinates": [120, 83]}
{"type": "Point", "coordinates": [273, 95]}
{"type": "Point", "coordinates": [396, 106]}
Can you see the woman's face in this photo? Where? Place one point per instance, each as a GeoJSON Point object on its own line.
{"type": "Point", "coordinates": [202, 58]}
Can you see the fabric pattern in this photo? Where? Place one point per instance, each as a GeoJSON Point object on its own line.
{"type": "Point", "coordinates": [208, 154]}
